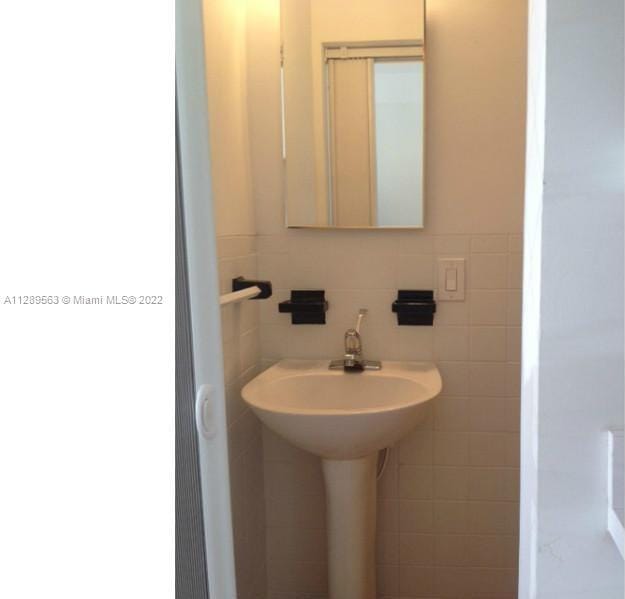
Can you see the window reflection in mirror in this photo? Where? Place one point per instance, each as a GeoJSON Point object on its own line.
{"type": "Point", "coordinates": [353, 96]}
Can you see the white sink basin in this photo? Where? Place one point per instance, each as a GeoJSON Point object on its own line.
{"type": "Point", "coordinates": [345, 418]}
{"type": "Point", "coordinates": [342, 415]}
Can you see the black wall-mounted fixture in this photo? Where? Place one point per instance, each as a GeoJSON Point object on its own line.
{"type": "Point", "coordinates": [306, 307]}
{"type": "Point", "coordinates": [414, 308]}
{"type": "Point", "coordinates": [265, 287]}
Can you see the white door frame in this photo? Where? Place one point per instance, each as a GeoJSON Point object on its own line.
{"type": "Point", "coordinates": [204, 297]}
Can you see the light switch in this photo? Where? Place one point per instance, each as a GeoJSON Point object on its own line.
{"type": "Point", "coordinates": [451, 279]}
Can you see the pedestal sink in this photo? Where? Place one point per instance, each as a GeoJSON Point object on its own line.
{"type": "Point", "coordinates": [345, 418]}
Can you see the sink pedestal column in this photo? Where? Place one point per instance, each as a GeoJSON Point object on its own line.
{"type": "Point", "coordinates": [351, 514]}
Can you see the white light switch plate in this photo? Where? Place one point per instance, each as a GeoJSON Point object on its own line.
{"type": "Point", "coordinates": [451, 277]}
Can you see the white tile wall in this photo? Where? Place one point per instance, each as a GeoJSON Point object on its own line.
{"type": "Point", "coordinates": [241, 345]}
{"type": "Point", "coordinates": [448, 500]}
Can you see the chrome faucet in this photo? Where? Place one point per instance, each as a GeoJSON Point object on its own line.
{"type": "Point", "coordinates": [353, 360]}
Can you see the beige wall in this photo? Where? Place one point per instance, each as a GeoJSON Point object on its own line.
{"type": "Point", "coordinates": [226, 48]}
{"type": "Point", "coordinates": [309, 206]}
{"type": "Point", "coordinates": [225, 26]}
{"type": "Point", "coordinates": [448, 517]}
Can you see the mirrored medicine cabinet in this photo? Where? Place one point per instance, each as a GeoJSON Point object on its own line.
{"type": "Point", "coordinates": [353, 78]}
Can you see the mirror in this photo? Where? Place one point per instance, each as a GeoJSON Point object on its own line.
{"type": "Point", "coordinates": [353, 112]}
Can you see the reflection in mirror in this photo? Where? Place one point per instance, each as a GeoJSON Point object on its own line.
{"type": "Point", "coordinates": [353, 108]}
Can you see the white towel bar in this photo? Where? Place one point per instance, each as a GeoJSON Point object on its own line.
{"type": "Point", "coordinates": [239, 296]}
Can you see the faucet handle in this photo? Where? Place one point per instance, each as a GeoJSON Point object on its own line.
{"type": "Point", "coordinates": [361, 314]}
